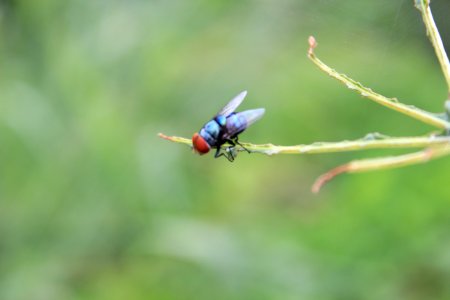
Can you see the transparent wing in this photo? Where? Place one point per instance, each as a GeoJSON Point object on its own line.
{"type": "Point", "coordinates": [240, 121]}
{"type": "Point", "coordinates": [232, 105]}
{"type": "Point", "coordinates": [252, 115]}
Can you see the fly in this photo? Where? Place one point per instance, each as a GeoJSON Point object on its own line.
{"type": "Point", "coordinates": [225, 128]}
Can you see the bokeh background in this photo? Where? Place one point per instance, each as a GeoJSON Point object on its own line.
{"type": "Point", "coordinates": [93, 205]}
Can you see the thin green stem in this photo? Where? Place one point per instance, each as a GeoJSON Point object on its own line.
{"type": "Point", "coordinates": [369, 142]}
{"type": "Point", "coordinates": [433, 34]}
{"type": "Point", "coordinates": [382, 163]}
{"type": "Point", "coordinates": [391, 103]}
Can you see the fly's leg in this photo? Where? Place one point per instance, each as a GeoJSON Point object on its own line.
{"type": "Point", "coordinates": [232, 153]}
{"type": "Point", "coordinates": [230, 149]}
{"type": "Point", "coordinates": [231, 142]}
{"type": "Point", "coordinates": [237, 142]}
{"type": "Point", "coordinates": [218, 154]}
{"type": "Point", "coordinates": [228, 155]}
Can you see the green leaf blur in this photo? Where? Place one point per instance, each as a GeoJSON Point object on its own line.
{"type": "Point", "coordinates": [93, 205]}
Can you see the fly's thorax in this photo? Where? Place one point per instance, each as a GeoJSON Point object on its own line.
{"type": "Point", "coordinates": [221, 120]}
{"type": "Point", "coordinates": [212, 127]}
{"type": "Point", "coordinates": [210, 132]}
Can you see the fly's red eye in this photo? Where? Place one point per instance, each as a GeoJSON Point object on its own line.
{"type": "Point", "coordinates": [199, 144]}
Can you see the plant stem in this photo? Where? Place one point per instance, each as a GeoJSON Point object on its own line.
{"type": "Point", "coordinates": [433, 34]}
{"type": "Point", "coordinates": [391, 103]}
{"type": "Point", "coordinates": [382, 163]}
{"type": "Point", "coordinates": [327, 147]}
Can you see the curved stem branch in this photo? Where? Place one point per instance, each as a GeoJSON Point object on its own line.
{"type": "Point", "coordinates": [391, 103]}
{"type": "Point", "coordinates": [382, 163]}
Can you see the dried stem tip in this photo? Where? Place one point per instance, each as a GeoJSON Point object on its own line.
{"type": "Point", "coordinates": [312, 44]}
{"type": "Point", "coordinates": [328, 176]}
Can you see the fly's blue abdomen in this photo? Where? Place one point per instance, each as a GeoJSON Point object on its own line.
{"type": "Point", "coordinates": [236, 123]}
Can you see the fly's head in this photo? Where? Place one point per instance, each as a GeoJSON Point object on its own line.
{"type": "Point", "coordinates": [199, 144]}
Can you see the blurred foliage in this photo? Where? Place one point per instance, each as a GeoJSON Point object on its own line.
{"type": "Point", "coordinates": [94, 206]}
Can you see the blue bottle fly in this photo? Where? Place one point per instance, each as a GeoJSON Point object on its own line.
{"type": "Point", "coordinates": [225, 128]}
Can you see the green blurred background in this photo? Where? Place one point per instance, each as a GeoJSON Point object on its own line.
{"type": "Point", "coordinates": [93, 205]}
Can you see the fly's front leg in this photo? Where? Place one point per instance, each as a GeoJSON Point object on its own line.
{"type": "Point", "coordinates": [230, 150]}
{"type": "Point", "coordinates": [228, 155]}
